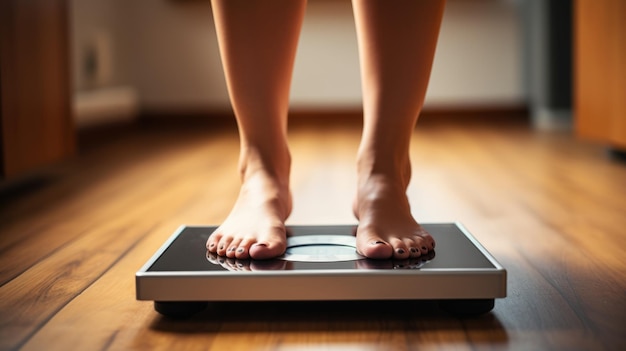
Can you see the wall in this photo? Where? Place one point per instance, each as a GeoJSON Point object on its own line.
{"type": "Point", "coordinates": [101, 76]}
{"type": "Point", "coordinates": [479, 57]}
{"type": "Point", "coordinates": [167, 51]}
{"type": "Point", "coordinates": [97, 56]}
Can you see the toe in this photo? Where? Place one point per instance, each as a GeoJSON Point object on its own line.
{"type": "Point", "coordinates": [428, 239]}
{"type": "Point", "coordinates": [400, 249]}
{"type": "Point", "coordinates": [372, 246]}
{"type": "Point", "coordinates": [266, 250]}
{"type": "Point", "coordinates": [430, 242]}
{"type": "Point", "coordinates": [223, 245]}
{"type": "Point", "coordinates": [421, 244]}
{"type": "Point", "coordinates": [271, 244]}
{"type": "Point", "coordinates": [242, 253]}
{"type": "Point", "coordinates": [376, 249]}
{"type": "Point", "coordinates": [232, 248]}
{"type": "Point", "coordinates": [243, 249]}
{"type": "Point", "coordinates": [211, 245]}
{"type": "Point", "coordinates": [212, 242]}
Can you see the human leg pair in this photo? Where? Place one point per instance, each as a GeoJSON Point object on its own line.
{"type": "Point", "coordinates": [258, 41]}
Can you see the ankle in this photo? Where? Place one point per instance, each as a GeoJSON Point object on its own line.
{"type": "Point", "coordinates": [390, 169]}
{"type": "Point", "coordinates": [273, 163]}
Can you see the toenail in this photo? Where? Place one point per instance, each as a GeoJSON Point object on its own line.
{"type": "Point", "coordinates": [424, 248]}
{"type": "Point", "coordinates": [212, 245]}
{"type": "Point", "coordinates": [377, 242]}
{"type": "Point", "coordinates": [414, 250]}
{"type": "Point", "coordinates": [240, 250]}
{"type": "Point", "coordinates": [221, 247]}
{"type": "Point", "coordinates": [231, 249]}
{"type": "Point", "coordinates": [400, 251]}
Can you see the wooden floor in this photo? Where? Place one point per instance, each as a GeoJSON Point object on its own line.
{"type": "Point", "coordinates": [551, 209]}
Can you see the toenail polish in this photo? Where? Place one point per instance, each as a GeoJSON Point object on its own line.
{"type": "Point", "coordinates": [377, 242]}
{"type": "Point", "coordinates": [240, 250]}
{"type": "Point", "coordinates": [400, 251]}
{"type": "Point", "coordinates": [413, 250]}
{"type": "Point", "coordinates": [424, 248]}
{"type": "Point", "coordinates": [212, 245]}
{"type": "Point", "coordinates": [221, 247]}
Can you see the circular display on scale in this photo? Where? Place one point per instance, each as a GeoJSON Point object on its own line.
{"type": "Point", "coordinates": [321, 248]}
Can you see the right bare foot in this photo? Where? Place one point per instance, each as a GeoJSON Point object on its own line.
{"type": "Point", "coordinates": [255, 227]}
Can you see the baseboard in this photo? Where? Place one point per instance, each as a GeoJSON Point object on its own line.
{"type": "Point", "coordinates": [478, 112]}
{"type": "Point", "coordinates": [456, 114]}
{"type": "Point", "coordinates": [215, 120]}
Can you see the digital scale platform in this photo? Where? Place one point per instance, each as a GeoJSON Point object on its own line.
{"type": "Point", "coordinates": [321, 264]}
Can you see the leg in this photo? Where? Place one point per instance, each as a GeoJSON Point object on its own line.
{"type": "Point", "coordinates": [258, 41]}
{"type": "Point", "coordinates": [397, 42]}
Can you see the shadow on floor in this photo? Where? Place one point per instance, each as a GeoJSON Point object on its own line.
{"type": "Point", "coordinates": [332, 317]}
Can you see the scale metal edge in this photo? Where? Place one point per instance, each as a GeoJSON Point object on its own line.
{"type": "Point", "coordinates": [322, 285]}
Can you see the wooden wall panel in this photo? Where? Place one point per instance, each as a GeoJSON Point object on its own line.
{"type": "Point", "coordinates": [36, 119]}
{"type": "Point", "coordinates": [600, 71]}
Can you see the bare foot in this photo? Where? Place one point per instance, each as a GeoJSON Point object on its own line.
{"type": "Point", "coordinates": [386, 227]}
{"type": "Point", "coordinates": [255, 227]}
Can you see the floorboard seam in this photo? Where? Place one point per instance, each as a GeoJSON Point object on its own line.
{"type": "Point", "coordinates": [45, 321]}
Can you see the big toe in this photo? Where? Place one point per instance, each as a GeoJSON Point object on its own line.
{"type": "Point", "coordinates": [373, 247]}
{"type": "Point", "coordinates": [264, 250]}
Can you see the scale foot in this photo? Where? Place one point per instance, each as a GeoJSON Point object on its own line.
{"type": "Point", "coordinates": [467, 307]}
{"type": "Point", "coordinates": [179, 309]}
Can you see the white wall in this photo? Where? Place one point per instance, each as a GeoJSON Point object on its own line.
{"type": "Point", "coordinates": [479, 58]}
{"type": "Point", "coordinates": [175, 61]}
{"type": "Point", "coordinates": [167, 50]}
{"type": "Point", "coordinates": [326, 73]}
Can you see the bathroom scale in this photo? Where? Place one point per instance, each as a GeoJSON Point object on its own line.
{"type": "Point", "coordinates": [321, 264]}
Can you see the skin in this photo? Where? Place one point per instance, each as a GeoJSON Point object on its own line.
{"type": "Point", "coordinates": [258, 41]}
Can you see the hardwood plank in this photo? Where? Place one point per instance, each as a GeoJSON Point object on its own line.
{"type": "Point", "coordinates": [87, 197]}
{"type": "Point", "coordinates": [120, 309]}
{"type": "Point", "coordinates": [79, 260]}
{"type": "Point", "coordinates": [550, 208]}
